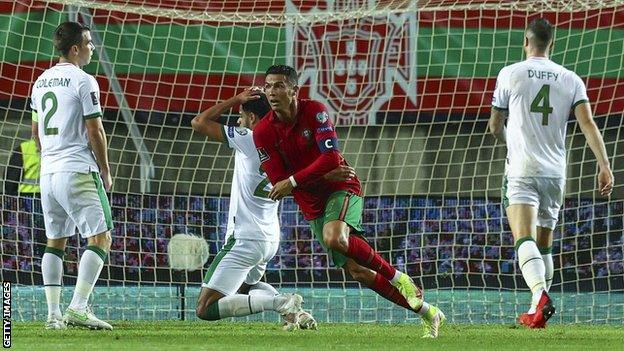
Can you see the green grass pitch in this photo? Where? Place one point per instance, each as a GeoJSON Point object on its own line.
{"type": "Point", "coordinates": [197, 335]}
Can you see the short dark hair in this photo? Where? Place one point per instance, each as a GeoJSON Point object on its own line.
{"type": "Point", "coordinates": [259, 107]}
{"type": "Point", "coordinates": [289, 72]}
{"type": "Point", "coordinates": [68, 34]}
{"type": "Point", "coordinates": [542, 33]}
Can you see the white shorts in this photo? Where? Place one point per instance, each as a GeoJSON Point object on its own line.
{"type": "Point", "coordinates": [239, 261]}
{"type": "Point", "coordinates": [546, 194]}
{"type": "Point", "coordinates": [71, 200]}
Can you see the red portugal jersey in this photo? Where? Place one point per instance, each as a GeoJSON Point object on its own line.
{"type": "Point", "coordinates": [307, 150]}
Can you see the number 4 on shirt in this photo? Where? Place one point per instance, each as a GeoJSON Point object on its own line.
{"type": "Point", "coordinates": [541, 103]}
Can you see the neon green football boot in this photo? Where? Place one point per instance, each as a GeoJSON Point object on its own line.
{"type": "Point", "coordinates": [410, 291]}
{"type": "Point", "coordinates": [432, 321]}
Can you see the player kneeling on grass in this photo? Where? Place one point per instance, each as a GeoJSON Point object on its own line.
{"type": "Point", "coordinates": [232, 286]}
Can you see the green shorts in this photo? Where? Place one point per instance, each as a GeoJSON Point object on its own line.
{"type": "Point", "coordinates": [342, 206]}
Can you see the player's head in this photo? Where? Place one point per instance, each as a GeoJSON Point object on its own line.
{"type": "Point", "coordinates": [539, 36]}
{"type": "Point", "coordinates": [253, 110]}
{"type": "Point", "coordinates": [73, 41]}
{"type": "Point", "coordinates": [280, 86]}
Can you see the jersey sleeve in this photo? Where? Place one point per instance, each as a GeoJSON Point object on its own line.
{"type": "Point", "coordinates": [500, 100]}
{"type": "Point", "coordinates": [90, 97]}
{"type": "Point", "coordinates": [240, 139]}
{"type": "Point", "coordinates": [33, 105]}
{"type": "Point", "coordinates": [580, 92]}
{"type": "Point", "coordinates": [327, 143]}
{"type": "Point", "coordinates": [323, 129]}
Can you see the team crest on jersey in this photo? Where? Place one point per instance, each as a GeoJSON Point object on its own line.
{"type": "Point", "coordinates": [241, 131]}
{"type": "Point", "coordinates": [322, 117]}
{"type": "Point", "coordinates": [306, 133]}
{"type": "Point", "coordinates": [94, 98]}
{"type": "Point", "coordinates": [356, 67]}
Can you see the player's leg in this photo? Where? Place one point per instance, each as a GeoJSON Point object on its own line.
{"type": "Point", "coordinates": [304, 319]}
{"type": "Point", "coordinates": [227, 272]}
{"type": "Point", "coordinates": [52, 272]}
{"type": "Point", "coordinates": [89, 269]}
{"type": "Point", "coordinates": [58, 226]}
{"type": "Point", "coordinates": [341, 224]}
{"type": "Point", "coordinates": [260, 288]}
{"type": "Point", "coordinates": [522, 220]}
{"type": "Point", "coordinates": [344, 209]}
{"type": "Point", "coordinates": [544, 238]}
{"type": "Point", "coordinates": [86, 201]}
{"type": "Point", "coordinates": [432, 317]}
{"type": "Point", "coordinates": [551, 199]}
{"type": "Point", "coordinates": [521, 201]}
{"type": "Point", "coordinates": [544, 244]}
{"type": "Point", "coordinates": [252, 284]}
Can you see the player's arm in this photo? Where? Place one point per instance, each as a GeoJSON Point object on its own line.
{"type": "Point", "coordinates": [496, 124]}
{"type": "Point", "coordinates": [89, 92]}
{"type": "Point", "coordinates": [584, 117]}
{"type": "Point", "coordinates": [206, 122]}
{"type": "Point", "coordinates": [340, 174]}
{"type": "Point", "coordinates": [99, 146]}
{"type": "Point", "coordinates": [327, 142]}
{"type": "Point", "coordinates": [34, 129]}
{"type": "Point", "coordinates": [500, 104]}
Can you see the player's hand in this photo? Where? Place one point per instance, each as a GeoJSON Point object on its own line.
{"type": "Point", "coordinates": [280, 190]}
{"type": "Point", "coordinates": [340, 174]}
{"type": "Point", "coordinates": [605, 181]}
{"type": "Point", "coordinates": [107, 179]}
{"type": "Point", "coordinates": [251, 93]}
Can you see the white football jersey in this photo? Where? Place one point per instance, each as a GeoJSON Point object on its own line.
{"type": "Point", "coordinates": [539, 95]}
{"type": "Point", "coordinates": [63, 97]}
{"type": "Point", "coordinates": [252, 215]}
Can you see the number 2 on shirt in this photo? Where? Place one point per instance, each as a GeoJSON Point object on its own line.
{"type": "Point", "coordinates": [544, 108]}
{"type": "Point", "coordinates": [260, 192]}
{"type": "Point", "coordinates": [49, 96]}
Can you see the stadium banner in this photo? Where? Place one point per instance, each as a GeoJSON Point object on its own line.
{"type": "Point", "coordinates": [436, 63]}
{"type": "Point", "coordinates": [355, 67]}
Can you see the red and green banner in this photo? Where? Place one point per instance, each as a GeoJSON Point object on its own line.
{"type": "Point", "coordinates": [438, 61]}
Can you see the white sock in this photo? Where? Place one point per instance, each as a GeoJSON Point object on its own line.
{"type": "Point", "coordinates": [52, 271]}
{"type": "Point", "coordinates": [397, 275]}
{"type": "Point", "coordinates": [262, 288]}
{"type": "Point", "coordinates": [532, 267]}
{"type": "Point", "coordinates": [239, 305]}
{"type": "Point", "coordinates": [88, 272]}
{"type": "Point", "coordinates": [550, 270]}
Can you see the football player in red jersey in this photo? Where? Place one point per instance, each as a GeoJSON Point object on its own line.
{"type": "Point", "coordinates": [297, 145]}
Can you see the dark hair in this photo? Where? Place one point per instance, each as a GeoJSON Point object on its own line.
{"type": "Point", "coordinates": [289, 72]}
{"type": "Point", "coordinates": [68, 34]}
{"type": "Point", "coordinates": [259, 107]}
{"type": "Point", "coordinates": [542, 33]}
